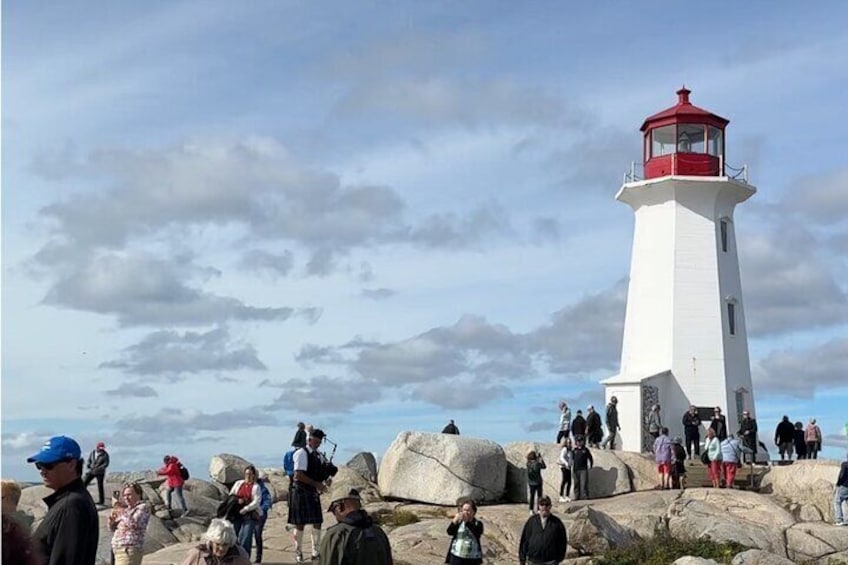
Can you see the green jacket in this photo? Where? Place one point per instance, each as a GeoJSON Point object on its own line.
{"type": "Point", "coordinates": [356, 540]}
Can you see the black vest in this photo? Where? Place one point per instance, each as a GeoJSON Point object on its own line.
{"type": "Point", "coordinates": [314, 468]}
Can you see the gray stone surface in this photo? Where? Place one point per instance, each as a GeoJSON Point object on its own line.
{"type": "Point", "coordinates": [689, 560]}
{"type": "Point", "coordinates": [805, 487]}
{"type": "Point", "coordinates": [759, 557]}
{"type": "Point", "coordinates": [365, 464]}
{"type": "Point", "coordinates": [442, 468]}
{"type": "Point", "coordinates": [227, 468]}
{"type": "Point", "coordinates": [594, 532]}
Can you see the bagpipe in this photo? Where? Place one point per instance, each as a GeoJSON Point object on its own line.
{"type": "Point", "coordinates": [328, 469]}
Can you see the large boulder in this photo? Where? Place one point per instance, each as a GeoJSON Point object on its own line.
{"type": "Point", "coordinates": [158, 535]}
{"type": "Point", "coordinates": [643, 512]}
{"type": "Point", "coordinates": [805, 487]}
{"type": "Point", "coordinates": [594, 532]}
{"type": "Point", "coordinates": [815, 541]}
{"type": "Point", "coordinates": [442, 468]}
{"type": "Point", "coordinates": [205, 488]}
{"type": "Point", "coordinates": [643, 469]}
{"type": "Point", "coordinates": [365, 464]}
{"type": "Point", "coordinates": [609, 476]}
{"type": "Point", "coordinates": [348, 478]}
{"type": "Point", "coordinates": [227, 468]}
{"type": "Point", "coordinates": [32, 501]}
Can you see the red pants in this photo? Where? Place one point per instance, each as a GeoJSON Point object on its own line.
{"type": "Point", "coordinates": [715, 470]}
{"type": "Point", "coordinates": [729, 473]}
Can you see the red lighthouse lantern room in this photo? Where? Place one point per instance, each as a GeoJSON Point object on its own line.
{"type": "Point", "coordinates": [684, 140]}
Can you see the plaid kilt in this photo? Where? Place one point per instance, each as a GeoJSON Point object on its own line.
{"type": "Point", "coordinates": [305, 506]}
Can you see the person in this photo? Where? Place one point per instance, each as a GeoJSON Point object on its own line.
{"type": "Point", "coordinates": [544, 540]}
{"type": "Point", "coordinates": [129, 524]}
{"type": "Point", "coordinates": [535, 464]}
{"type": "Point", "coordinates": [564, 421]}
{"type": "Point", "coordinates": [97, 462]}
{"type": "Point", "coordinates": [355, 538]}
{"type": "Point", "coordinates": [581, 463]}
{"type": "Point", "coordinates": [678, 464]}
{"type": "Point", "coordinates": [840, 495]}
{"type": "Point", "coordinates": [813, 438]}
{"type": "Point", "coordinates": [69, 532]}
{"type": "Point", "coordinates": [305, 503]}
{"type": "Point", "coordinates": [612, 423]}
{"type": "Point", "coordinates": [594, 430]}
{"type": "Point", "coordinates": [692, 432]}
{"type": "Point", "coordinates": [654, 422]}
{"type": "Point", "coordinates": [465, 531]}
{"type": "Point", "coordinates": [299, 436]}
{"type": "Point", "coordinates": [662, 455]}
{"type": "Point", "coordinates": [265, 504]}
{"type": "Point", "coordinates": [712, 448]}
{"type": "Point", "coordinates": [450, 428]}
{"type": "Point", "coordinates": [719, 424]}
{"type": "Point", "coordinates": [800, 441]}
{"type": "Point", "coordinates": [18, 547]}
{"type": "Point", "coordinates": [565, 461]}
{"type": "Point", "coordinates": [174, 481]}
{"type": "Point", "coordinates": [578, 426]}
{"type": "Point", "coordinates": [748, 433]}
{"type": "Point", "coordinates": [784, 438]}
{"type": "Point", "coordinates": [248, 498]}
{"type": "Point", "coordinates": [219, 547]}
{"type": "Point", "coordinates": [11, 492]}
{"type": "Point", "coordinates": [731, 459]}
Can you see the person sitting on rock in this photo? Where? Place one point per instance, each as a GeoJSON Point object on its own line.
{"type": "Point", "coordinates": [465, 531]}
{"type": "Point", "coordinates": [662, 455]}
{"type": "Point", "coordinates": [535, 464]}
{"type": "Point", "coordinates": [450, 428]}
{"type": "Point", "coordinates": [219, 546]}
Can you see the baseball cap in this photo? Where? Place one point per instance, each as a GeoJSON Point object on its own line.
{"type": "Point", "coordinates": [342, 493]}
{"type": "Point", "coordinates": [101, 445]}
{"type": "Point", "coordinates": [56, 449]}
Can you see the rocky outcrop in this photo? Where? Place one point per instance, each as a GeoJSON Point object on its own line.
{"type": "Point", "coordinates": [227, 468]}
{"type": "Point", "coordinates": [805, 488]}
{"type": "Point", "coordinates": [365, 464]}
{"type": "Point", "coordinates": [594, 532]}
{"type": "Point", "coordinates": [442, 468]}
{"type": "Point", "coordinates": [759, 557]}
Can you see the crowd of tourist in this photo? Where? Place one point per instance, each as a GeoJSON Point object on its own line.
{"type": "Point", "coordinates": [69, 532]}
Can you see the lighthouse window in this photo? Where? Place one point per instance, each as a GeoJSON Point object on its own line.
{"type": "Point", "coordinates": [663, 141]}
{"type": "Point", "coordinates": [690, 138]}
{"type": "Point", "coordinates": [731, 317]}
{"type": "Point", "coordinates": [715, 141]}
{"type": "Point", "coordinates": [723, 232]}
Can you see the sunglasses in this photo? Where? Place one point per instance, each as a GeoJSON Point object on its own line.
{"type": "Point", "coordinates": [49, 466]}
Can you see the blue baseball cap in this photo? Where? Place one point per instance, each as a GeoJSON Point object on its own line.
{"type": "Point", "coordinates": [55, 449]}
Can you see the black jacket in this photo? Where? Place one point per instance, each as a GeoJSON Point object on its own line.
{"type": "Point", "coordinates": [356, 539]}
{"type": "Point", "coordinates": [785, 432]}
{"type": "Point", "coordinates": [582, 459]}
{"type": "Point", "coordinates": [691, 422]}
{"type": "Point", "coordinates": [70, 530]}
{"type": "Point", "coordinates": [593, 427]}
{"type": "Point", "coordinates": [475, 526]}
{"type": "Point", "coordinates": [578, 426]}
{"type": "Point", "coordinates": [719, 426]}
{"type": "Point", "coordinates": [97, 462]}
{"type": "Point", "coordinates": [299, 439]}
{"type": "Point", "coordinates": [612, 417]}
{"type": "Point", "coordinates": [542, 545]}
{"type": "Point", "coordinates": [842, 480]}
{"type": "Point", "coordinates": [450, 429]}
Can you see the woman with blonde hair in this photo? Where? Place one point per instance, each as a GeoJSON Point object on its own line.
{"type": "Point", "coordinates": [219, 547]}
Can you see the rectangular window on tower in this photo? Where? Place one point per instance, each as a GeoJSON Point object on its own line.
{"type": "Point", "coordinates": [723, 229]}
{"type": "Point", "coordinates": [731, 317]}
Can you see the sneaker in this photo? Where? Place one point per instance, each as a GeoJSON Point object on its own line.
{"type": "Point", "coordinates": [298, 556]}
{"type": "Point", "coordinates": [841, 524]}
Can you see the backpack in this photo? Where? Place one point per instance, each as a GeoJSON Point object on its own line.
{"type": "Point", "coordinates": [183, 472]}
{"type": "Point", "coordinates": [364, 547]}
{"type": "Point", "coordinates": [288, 462]}
{"type": "Point", "coordinates": [266, 500]}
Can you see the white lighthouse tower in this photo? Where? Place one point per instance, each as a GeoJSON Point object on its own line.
{"type": "Point", "coordinates": [684, 332]}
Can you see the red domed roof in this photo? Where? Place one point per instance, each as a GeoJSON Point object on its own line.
{"type": "Point", "coordinates": [684, 112]}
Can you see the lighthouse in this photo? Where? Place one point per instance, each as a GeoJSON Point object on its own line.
{"type": "Point", "coordinates": [684, 340]}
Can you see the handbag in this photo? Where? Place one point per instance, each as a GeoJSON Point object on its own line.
{"type": "Point", "coordinates": [705, 458]}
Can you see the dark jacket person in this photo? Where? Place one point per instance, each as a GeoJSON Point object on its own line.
{"type": "Point", "coordinates": [543, 539]}
{"type": "Point", "coordinates": [355, 539]}
{"type": "Point", "coordinates": [69, 533]}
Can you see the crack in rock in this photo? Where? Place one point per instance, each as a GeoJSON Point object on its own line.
{"type": "Point", "coordinates": [448, 469]}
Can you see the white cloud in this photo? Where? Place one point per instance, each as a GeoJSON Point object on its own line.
{"type": "Point", "coordinates": [802, 372]}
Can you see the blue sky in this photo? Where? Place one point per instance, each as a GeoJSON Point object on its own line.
{"type": "Point", "coordinates": [219, 220]}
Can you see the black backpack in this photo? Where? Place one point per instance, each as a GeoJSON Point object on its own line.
{"type": "Point", "coordinates": [183, 472]}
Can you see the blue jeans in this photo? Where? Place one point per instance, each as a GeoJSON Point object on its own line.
{"type": "Point", "coordinates": [180, 497]}
{"type": "Point", "coordinates": [840, 497]}
{"type": "Point", "coordinates": [244, 527]}
{"type": "Point", "coordinates": [257, 536]}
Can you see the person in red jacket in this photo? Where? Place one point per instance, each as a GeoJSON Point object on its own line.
{"type": "Point", "coordinates": [174, 481]}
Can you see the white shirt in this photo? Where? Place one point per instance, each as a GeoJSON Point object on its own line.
{"type": "Point", "coordinates": [301, 458]}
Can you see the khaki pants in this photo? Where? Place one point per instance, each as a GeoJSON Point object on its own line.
{"type": "Point", "coordinates": [128, 555]}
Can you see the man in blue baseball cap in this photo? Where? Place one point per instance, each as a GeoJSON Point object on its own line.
{"type": "Point", "coordinates": [69, 533]}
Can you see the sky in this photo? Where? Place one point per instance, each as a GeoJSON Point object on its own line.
{"type": "Point", "coordinates": [219, 219]}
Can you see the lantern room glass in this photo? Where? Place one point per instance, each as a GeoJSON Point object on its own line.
{"type": "Point", "coordinates": [663, 141]}
{"type": "Point", "coordinates": [715, 142]}
{"type": "Point", "coordinates": [690, 138]}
